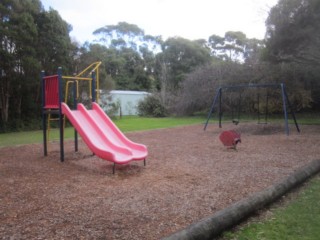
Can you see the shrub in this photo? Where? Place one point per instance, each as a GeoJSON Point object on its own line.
{"type": "Point", "coordinates": [113, 109]}
{"type": "Point", "coordinates": [152, 106]}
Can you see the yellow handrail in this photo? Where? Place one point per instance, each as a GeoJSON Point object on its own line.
{"type": "Point", "coordinates": [93, 67]}
{"type": "Point", "coordinates": [79, 77]}
{"type": "Point", "coordinates": [66, 96]}
{"type": "Point", "coordinates": [76, 78]}
{"type": "Point", "coordinates": [67, 90]}
{"type": "Point", "coordinates": [96, 64]}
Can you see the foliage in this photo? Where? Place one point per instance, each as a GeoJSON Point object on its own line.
{"type": "Point", "coordinates": [129, 55]}
{"type": "Point", "coordinates": [55, 48]}
{"type": "Point", "coordinates": [179, 56]}
{"type": "Point", "coordinates": [111, 108]}
{"type": "Point", "coordinates": [199, 88]}
{"type": "Point", "coordinates": [125, 35]}
{"type": "Point", "coordinates": [152, 106]}
{"type": "Point", "coordinates": [31, 39]}
{"type": "Point", "coordinates": [293, 38]}
{"type": "Point", "coordinates": [293, 31]}
{"type": "Point", "coordinates": [90, 53]}
{"type": "Point", "coordinates": [236, 47]}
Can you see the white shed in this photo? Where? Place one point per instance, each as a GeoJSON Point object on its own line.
{"type": "Point", "coordinates": [126, 100]}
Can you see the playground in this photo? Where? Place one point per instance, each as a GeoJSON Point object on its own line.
{"type": "Point", "coordinates": [189, 175]}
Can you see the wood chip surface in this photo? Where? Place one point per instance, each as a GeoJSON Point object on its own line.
{"type": "Point", "coordinates": [189, 176]}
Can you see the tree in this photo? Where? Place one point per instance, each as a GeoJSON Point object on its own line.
{"type": "Point", "coordinates": [24, 53]}
{"type": "Point", "coordinates": [121, 35]}
{"type": "Point", "coordinates": [216, 43]}
{"type": "Point", "coordinates": [229, 47]}
{"type": "Point", "coordinates": [54, 44]}
{"type": "Point", "coordinates": [18, 41]}
{"type": "Point", "coordinates": [253, 51]}
{"type": "Point", "coordinates": [90, 53]}
{"type": "Point", "coordinates": [131, 57]}
{"type": "Point", "coordinates": [179, 57]}
{"type": "Point", "coordinates": [199, 87]}
{"type": "Point", "coordinates": [126, 35]}
{"type": "Point", "coordinates": [293, 38]}
{"type": "Point", "coordinates": [236, 47]}
{"type": "Point", "coordinates": [293, 32]}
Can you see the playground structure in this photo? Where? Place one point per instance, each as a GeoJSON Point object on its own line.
{"type": "Point", "coordinates": [84, 76]}
{"type": "Point", "coordinates": [96, 129]}
{"type": "Point", "coordinates": [286, 105]}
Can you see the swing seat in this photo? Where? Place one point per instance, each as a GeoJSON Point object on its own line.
{"type": "Point", "coordinates": [230, 138]}
{"type": "Point", "coordinates": [235, 121]}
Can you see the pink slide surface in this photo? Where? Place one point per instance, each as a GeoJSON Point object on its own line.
{"type": "Point", "coordinates": [102, 136]}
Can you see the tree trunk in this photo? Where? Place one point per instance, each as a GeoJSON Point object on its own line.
{"type": "Point", "coordinates": [164, 82]}
{"type": "Point", "coordinates": [5, 101]}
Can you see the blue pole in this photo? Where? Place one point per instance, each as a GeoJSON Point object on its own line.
{"type": "Point", "coordinates": [292, 111]}
{"type": "Point", "coordinates": [220, 108]}
{"type": "Point", "coordinates": [60, 115]}
{"type": "Point", "coordinates": [212, 107]}
{"type": "Point", "coordinates": [93, 74]}
{"type": "Point", "coordinates": [75, 107]}
{"type": "Point", "coordinates": [44, 115]}
{"type": "Point", "coordinates": [284, 100]}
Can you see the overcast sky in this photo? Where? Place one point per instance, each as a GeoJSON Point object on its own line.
{"type": "Point", "coordinates": [191, 19]}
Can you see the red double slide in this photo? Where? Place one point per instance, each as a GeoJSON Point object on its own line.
{"type": "Point", "coordinates": [102, 136]}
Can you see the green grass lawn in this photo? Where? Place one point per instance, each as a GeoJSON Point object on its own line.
{"type": "Point", "coordinates": [126, 124]}
{"type": "Point", "coordinates": [302, 118]}
{"type": "Point", "coordinates": [141, 123]}
{"type": "Point", "coordinates": [134, 123]}
{"type": "Point", "coordinates": [297, 220]}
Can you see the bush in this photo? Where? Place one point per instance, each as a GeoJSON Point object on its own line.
{"type": "Point", "coordinates": [113, 109]}
{"type": "Point", "coordinates": [152, 106]}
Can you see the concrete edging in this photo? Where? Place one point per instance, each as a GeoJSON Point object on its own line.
{"type": "Point", "coordinates": [214, 225]}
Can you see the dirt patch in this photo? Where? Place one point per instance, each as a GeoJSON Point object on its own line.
{"type": "Point", "coordinates": [189, 175]}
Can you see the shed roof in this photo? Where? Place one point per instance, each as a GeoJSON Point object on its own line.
{"type": "Point", "coordinates": [125, 92]}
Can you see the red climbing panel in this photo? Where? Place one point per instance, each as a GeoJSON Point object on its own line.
{"type": "Point", "coordinates": [230, 138]}
{"type": "Point", "coordinates": [51, 84]}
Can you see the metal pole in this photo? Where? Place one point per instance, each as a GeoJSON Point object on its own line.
{"type": "Point", "coordinates": [220, 108]}
{"type": "Point", "coordinates": [44, 116]}
{"type": "Point", "coordinates": [292, 112]}
{"type": "Point", "coordinates": [61, 116]}
{"type": "Point", "coordinates": [98, 86]}
{"type": "Point", "coordinates": [239, 106]}
{"type": "Point", "coordinates": [93, 88]}
{"type": "Point", "coordinates": [212, 107]}
{"type": "Point", "coordinates": [75, 107]}
{"type": "Point", "coordinates": [258, 107]}
{"type": "Point", "coordinates": [266, 108]}
{"type": "Point", "coordinates": [284, 108]}
{"type": "Point", "coordinates": [267, 112]}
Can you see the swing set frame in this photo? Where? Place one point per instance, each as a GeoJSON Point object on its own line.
{"type": "Point", "coordinates": [286, 105]}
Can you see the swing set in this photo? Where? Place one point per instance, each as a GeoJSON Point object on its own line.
{"type": "Point", "coordinates": [236, 108]}
{"type": "Point", "coordinates": [235, 114]}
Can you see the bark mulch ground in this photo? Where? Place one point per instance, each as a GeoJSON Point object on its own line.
{"type": "Point", "coordinates": [189, 175]}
